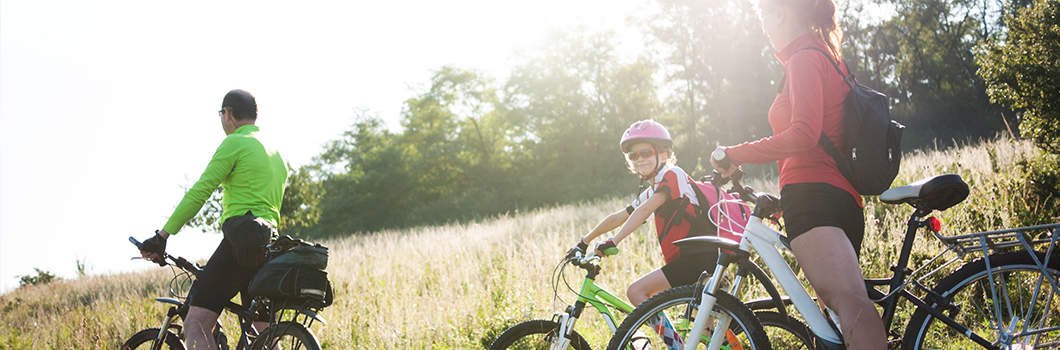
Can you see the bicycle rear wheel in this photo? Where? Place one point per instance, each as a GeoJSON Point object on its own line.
{"type": "Point", "coordinates": [143, 339]}
{"type": "Point", "coordinates": [661, 323]}
{"type": "Point", "coordinates": [535, 334]}
{"type": "Point", "coordinates": [1027, 320]}
{"type": "Point", "coordinates": [287, 336]}
{"type": "Point", "coordinates": [787, 333]}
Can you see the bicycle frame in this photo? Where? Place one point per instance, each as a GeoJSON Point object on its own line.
{"type": "Point", "coordinates": [590, 294]}
{"type": "Point", "coordinates": [764, 240]}
{"type": "Point", "coordinates": [179, 309]}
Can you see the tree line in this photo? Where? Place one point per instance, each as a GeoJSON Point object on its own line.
{"type": "Point", "coordinates": [472, 146]}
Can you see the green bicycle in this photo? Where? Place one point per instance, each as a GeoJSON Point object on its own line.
{"type": "Point", "coordinates": [559, 333]}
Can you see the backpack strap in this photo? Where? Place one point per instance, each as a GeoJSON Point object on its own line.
{"type": "Point", "coordinates": [849, 79]}
{"type": "Point", "coordinates": [702, 218]}
{"type": "Point", "coordinates": [678, 209]}
{"type": "Point", "coordinates": [829, 147]}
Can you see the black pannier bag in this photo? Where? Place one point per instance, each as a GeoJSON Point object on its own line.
{"type": "Point", "coordinates": [294, 274]}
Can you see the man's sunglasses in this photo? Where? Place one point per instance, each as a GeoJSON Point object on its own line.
{"type": "Point", "coordinates": [644, 153]}
{"type": "Point", "coordinates": [222, 112]}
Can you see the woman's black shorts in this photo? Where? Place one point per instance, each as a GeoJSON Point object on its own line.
{"type": "Point", "coordinates": [810, 205]}
{"type": "Point", "coordinates": [686, 269]}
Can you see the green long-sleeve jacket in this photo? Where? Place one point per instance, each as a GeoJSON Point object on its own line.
{"type": "Point", "coordinates": [252, 174]}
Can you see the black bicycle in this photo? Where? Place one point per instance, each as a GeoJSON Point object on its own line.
{"type": "Point", "coordinates": [288, 327]}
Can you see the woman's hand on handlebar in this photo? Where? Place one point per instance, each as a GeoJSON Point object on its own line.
{"type": "Point", "coordinates": [722, 163]}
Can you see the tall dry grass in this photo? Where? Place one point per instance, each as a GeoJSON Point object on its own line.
{"type": "Point", "coordinates": [458, 286]}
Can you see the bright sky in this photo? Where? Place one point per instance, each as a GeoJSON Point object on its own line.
{"type": "Point", "coordinates": [108, 107]}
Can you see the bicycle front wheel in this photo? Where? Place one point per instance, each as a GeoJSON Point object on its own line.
{"type": "Point", "coordinates": [1025, 315]}
{"type": "Point", "coordinates": [286, 336]}
{"type": "Point", "coordinates": [144, 339]}
{"type": "Point", "coordinates": [535, 334]}
{"type": "Point", "coordinates": [664, 320]}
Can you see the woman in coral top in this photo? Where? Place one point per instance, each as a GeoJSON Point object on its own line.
{"type": "Point", "coordinates": [822, 211]}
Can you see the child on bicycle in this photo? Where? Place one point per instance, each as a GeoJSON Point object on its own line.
{"type": "Point", "coordinates": [649, 153]}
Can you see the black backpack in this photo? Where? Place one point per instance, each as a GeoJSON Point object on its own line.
{"type": "Point", "coordinates": [872, 154]}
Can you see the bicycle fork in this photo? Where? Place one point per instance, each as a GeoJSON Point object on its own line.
{"type": "Point", "coordinates": [171, 316]}
{"type": "Point", "coordinates": [561, 340]}
{"type": "Point", "coordinates": [707, 301]}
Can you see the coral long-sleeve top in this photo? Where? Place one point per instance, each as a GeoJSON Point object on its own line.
{"type": "Point", "coordinates": [810, 101]}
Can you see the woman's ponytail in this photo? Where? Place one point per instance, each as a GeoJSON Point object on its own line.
{"type": "Point", "coordinates": [824, 24]}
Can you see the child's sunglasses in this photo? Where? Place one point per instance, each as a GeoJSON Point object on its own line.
{"type": "Point", "coordinates": [644, 153]}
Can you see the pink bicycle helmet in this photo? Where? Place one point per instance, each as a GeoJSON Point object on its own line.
{"type": "Point", "coordinates": [644, 131]}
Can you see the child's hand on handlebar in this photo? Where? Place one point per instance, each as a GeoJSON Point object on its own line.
{"type": "Point", "coordinates": [580, 247]}
{"type": "Point", "coordinates": [607, 247]}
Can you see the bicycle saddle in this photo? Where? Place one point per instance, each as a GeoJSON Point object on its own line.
{"type": "Point", "coordinates": [708, 241]}
{"type": "Point", "coordinates": [934, 193]}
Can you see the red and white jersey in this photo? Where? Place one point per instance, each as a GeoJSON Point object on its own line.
{"type": "Point", "coordinates": [669, 226]}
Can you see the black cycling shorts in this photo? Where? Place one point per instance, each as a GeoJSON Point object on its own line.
{"type": "Point", "coordinates": [810, 205]}
{"type": "Point", "coordinates": [686, 269]}
{"type": "Point", "coordinates": [221, 279]}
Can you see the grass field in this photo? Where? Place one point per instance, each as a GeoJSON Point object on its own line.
{"type": "Point", "coordinates": [458, 286]}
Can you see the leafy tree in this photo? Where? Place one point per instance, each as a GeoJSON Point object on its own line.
{"type": "Point", "coordinates": [454, 142]}
{"type": "Point", "coordinates": [569, 103]}
{"type": "Point", "coordinates": [300, 209]}
{"type": "Point", "coordinates": [718, 70]}
{"type": "Point", "coordinates": [370, 187]}
{"type": "Point", "coordinates": [1023, 71]}
{"type": "Point", "coordinates": [42, 277]}
{"type": "Point", "coordinates": [924, 59]}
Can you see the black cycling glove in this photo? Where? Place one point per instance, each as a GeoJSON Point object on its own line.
{"type": "Point", "coordinates": [156, 245]}
{"type": "Point", "coordinates": [580, 247]}
{"type": "Point", "coordinates": [607, 247]}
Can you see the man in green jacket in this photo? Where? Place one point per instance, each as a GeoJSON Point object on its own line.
{"type": "Point", "coordinates": [253, 176]}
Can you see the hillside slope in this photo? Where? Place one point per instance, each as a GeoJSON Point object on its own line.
{"type": "Point", "coordinates": [458, 286]}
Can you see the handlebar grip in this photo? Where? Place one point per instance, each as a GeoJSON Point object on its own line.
{"type": "Point", "coordinates": [611, 251]}
{"type": "Point", "coordinates": [721, 158]}
{"type": "Point", "coordinates": [135, 242]}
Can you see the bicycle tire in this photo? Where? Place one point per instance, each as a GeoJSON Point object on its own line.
{"type": "Point", "coordinates": [535, 334]}
{"type": "Point", "coordinates": [969, 290]}
{"type": "Point", "coordinates": [637, 331]}
{"type": "Point", "coordinates": [147, 337]}
{"type": "Point", "coordinates": [289, 335]}
{"type": "Point", "coordinates": [787, 333]}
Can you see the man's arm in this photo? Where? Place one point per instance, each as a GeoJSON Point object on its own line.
{"type": "Point", "coordinates": [216, 171]}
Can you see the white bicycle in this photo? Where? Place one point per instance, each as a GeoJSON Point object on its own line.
{"type": "Point", "coordinates": [1007, 299]}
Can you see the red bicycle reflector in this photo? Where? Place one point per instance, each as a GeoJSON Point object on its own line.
{"type": "Point", "coordinates": [934, 224]}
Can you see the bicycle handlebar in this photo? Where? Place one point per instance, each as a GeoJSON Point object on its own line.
{"type": "Point", "coordinates": [180, 262]}
{"type": "Point", "coordinates": [765, 203]}
{"type": "Point", "coordinates": [579, 259]}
